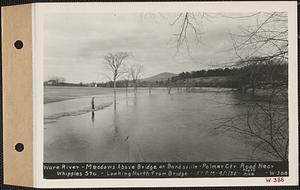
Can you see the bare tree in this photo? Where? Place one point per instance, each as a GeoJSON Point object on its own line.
{"type": "Point", "coordinates": [264, 124]}
{"type": "Point", "coordinates": [57, 79]}
{"type": "Point", "coordinates": [126, 78]}
{"type": "Point", "coordinates": [115, 62]}
{"type": "Point", "coordinates": [258, 47]}
{"type": "Point", "coordinates": [136, 71]}
{"type": "Point", "coordinates": [267, 39]}
{"type": "Point", "coordinates": [149, 88]}
{"type": "Point", "coordinates": [188, 23]}
{"type": "Point", "coordinates": [263, 41]}
{"type": "Point", "coordinates": [249, 74]}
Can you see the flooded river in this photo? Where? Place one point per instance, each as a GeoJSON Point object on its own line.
{"type": "Point", "coordinates": [156, 127]}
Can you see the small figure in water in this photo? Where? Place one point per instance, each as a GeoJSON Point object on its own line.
{"type": "Point", "coordinates": [93, 103]}
{"type": "Point", "coordinates": [93, 117]}
{"type": "Point", "coordinates": [93, 108]}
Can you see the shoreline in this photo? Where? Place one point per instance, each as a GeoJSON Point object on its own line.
{"type": "Point", "coordinates": [51, 118]}
{"type": "Point", "coordinates": [95, 91]}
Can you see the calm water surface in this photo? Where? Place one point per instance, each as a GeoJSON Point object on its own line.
{"type": "Point", "coordinates": [156, 127]}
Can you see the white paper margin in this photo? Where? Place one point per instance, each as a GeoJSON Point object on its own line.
{"type": "Point", "coordinates": [39, 11]}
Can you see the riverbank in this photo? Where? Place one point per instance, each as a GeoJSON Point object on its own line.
{"type": "Point", "coordinates": [61, 93]}
{"type": "Point", "coordinates": [54, 94]}
{"type": "Point", "coordinates": [53, 117]}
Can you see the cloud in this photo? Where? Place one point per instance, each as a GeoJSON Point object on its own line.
{"type": "Point", "coordinates": [75, 44]}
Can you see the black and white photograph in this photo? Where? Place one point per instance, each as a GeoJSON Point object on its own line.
{"type": "Point", "coordinates": [166, 87]}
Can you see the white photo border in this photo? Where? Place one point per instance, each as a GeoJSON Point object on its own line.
{"type": "Point", "coordinates": [41, 9]}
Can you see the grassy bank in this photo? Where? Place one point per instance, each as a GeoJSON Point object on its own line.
{"type": "Point", "coordinates": [61, 93]}
{"type": "Point", "coordinates": [53, 117]}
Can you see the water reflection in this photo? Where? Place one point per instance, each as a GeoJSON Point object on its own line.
{"type": "Point", "coordinates": [93, 117]}
{"type": "Point", "coordinates": [147, 128]}
{"type": "Point", "coordinates": [116, 130]}
{"type": "Point", "coordinates": [115, 102]}
{"type": "Point", "coordinates": [134, 100]}
{"type": "Point", "coordinates": [93, 108]}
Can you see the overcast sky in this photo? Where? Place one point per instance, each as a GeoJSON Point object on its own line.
{"type": "Point", "coordinates": [75, 44]}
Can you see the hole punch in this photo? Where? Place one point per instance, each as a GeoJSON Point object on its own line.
{"type": "Point", "coordinates": [19, 147]}
{"type": "Point", "coordinates": [19, 44]}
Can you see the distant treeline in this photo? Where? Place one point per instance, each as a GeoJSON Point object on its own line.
{"type": "Point", "coordinates": [261, 72]}
{"type": "Point", "coordinates": [55, 83]}
{"type": "Point", "coordinates": [247, 75]}
{"type": "Point", "coordinates": [205, 73]}
{"type": "Point", "coordinates": [252, 74]}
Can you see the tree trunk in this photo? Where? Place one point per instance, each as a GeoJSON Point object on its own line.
{"type": "Point", "coordinates": [135, 87]}
{"type": "Point", "coordinates": [115, 95]}
{"type": "Point", "coordinates": [169, 90]}
{"type": "Point", "coordinates": [253, 88]}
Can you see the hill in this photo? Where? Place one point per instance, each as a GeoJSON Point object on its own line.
{"type": "Point", "coordinates": [160, 77]}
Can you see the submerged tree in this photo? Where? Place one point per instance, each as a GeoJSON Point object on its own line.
{"type": "Point", "coordinates": [149, 88]}
{"type": "Point", "coordinates": [136, 71]}
{"type": "Point", "coordinates": [126, 78]}
{"type": "Point", "coordinates": [115, 62]}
